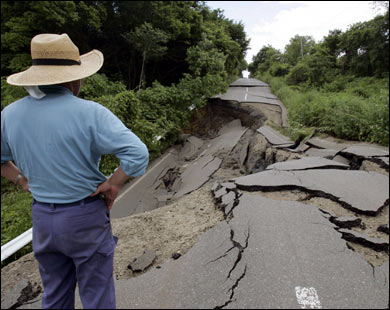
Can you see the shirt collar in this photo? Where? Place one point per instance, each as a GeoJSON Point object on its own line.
{"type": "Point", "coordinates": [55, 89]}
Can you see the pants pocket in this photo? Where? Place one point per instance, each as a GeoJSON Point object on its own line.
{"type": "Point", "coordinates": [108, 246]}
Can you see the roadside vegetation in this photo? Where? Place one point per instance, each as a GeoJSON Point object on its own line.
{"type": "Point", "coordinates": [163, 59]}
{"type": "Point", "coordinates": [339, 86]}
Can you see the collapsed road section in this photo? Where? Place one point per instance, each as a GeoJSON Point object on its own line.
{"type": "Point", "coordinates": [273, 253]}
{"type": "Point", "coordinates": [179, 172]}
{"type": "Point", "coordinates": [185, 168]}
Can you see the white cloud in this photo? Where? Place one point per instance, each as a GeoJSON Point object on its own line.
{"type": "Point", "coordinates": [313, 18]}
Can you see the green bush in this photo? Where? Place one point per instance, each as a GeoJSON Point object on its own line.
{"type": "Point", "coordinates": [358, 111]}
{"type": "Point", "coordinates": [300, 73]}
{"type": "Point", "coordinates": [98, 85]}
{"type": "Point", "coordinates": [10, 93]}
{"type": "Point", "coordinates": [279, 69]}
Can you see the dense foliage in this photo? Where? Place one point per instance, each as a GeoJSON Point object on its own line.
{"type": "Point", "coordinates": [142, 41]}
{"type": "Point", "coordinates": [339, 86]}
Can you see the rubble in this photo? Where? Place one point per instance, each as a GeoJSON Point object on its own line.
{"type": "Point", "coordinates": [142, 262]}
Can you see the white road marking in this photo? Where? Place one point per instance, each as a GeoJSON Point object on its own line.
{"type": "Point", "coordinates": [246, 95]}
{"type": "Point", "coordinates": [307, 297]}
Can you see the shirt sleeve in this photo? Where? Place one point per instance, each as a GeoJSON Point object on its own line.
{"type": "Point", "coordinates": [113, 137]}
{"type": "Point", "coordinates": [6, 154]}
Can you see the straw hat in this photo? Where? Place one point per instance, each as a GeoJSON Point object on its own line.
{"type": "Point", "coordinates": [56, 60]}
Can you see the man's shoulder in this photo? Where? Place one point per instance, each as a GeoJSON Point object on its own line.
{"type": "Point", "coordinates": [14, 105]}
{"type": "Point", "coordinates": [92, 105]}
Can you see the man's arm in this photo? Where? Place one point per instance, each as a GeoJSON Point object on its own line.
{"type": "Point", "coordinates": [11, 173]}
{"type": "Point", "coordinates": [113, 137]}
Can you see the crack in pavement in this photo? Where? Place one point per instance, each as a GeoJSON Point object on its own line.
{"type": "Point", "coordinates": [229, 215]}
{"type": "Point", "coordinates": [241, 250]}
{"type": "Point", "coordinates": [222, 256]}
{"type": "Point", "coordinates": [232, 290]}
{"type": "Point", "coordinates": [313, 193]}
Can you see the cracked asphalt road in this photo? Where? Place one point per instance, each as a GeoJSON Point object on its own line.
{"type": "Point", "coordinates": [273, 254]}
{"type": "Point", "coordinates": [267, 253]}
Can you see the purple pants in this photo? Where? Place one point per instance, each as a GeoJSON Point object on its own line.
{"type": "Point", "coordinates": [74, 243]}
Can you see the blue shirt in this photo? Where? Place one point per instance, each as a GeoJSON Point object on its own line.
{"type": "Point", "coordinates": [57, 143]}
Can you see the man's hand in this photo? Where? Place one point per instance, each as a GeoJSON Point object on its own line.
{"type": "Point", "coordinates": [24, 184]}
{"type": "Point", "coordinates": [110, 191]}
{"type": "Point", "coordinates": [111, 187]}
{"type": "Point", "coordinates": [11, 172]}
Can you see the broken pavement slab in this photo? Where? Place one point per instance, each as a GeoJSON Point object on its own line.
{"type": "Point", "coordinates": [306, 163]}
{"type": "Point", "coordinates": [227, 138]}
{"type": "Point", "coordinates": [190, 148]}
{"type": "Point", "coordinates": [22, 294]}
{"type": "Point", "coordinates": [360, 191]}
{"type": "Point", "coordinates": [12, 298]}
{"type": "Point", "coordinates": [140, 195]}
{"type": "Point", "coordinates": [341, 159]}
{"type": "Point", "coordinates": [325, 144]}
{"type": "Point", "coordinates": [143, 261]}
{"type": "Point", "coordinates": [326, 153]}
{"type": "Point", "coordinates": [197, 174]}
{"type": "Point", "coordinates": [365, 151]}
{"type": "Point", "coordinates": [359, 153]}
{"type": "Point", "coordinates": [274, 137]}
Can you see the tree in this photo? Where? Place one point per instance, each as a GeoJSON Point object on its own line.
{"type": "Point", "coordinates": [332, 43]}
{"type": "Point", "coordinates": [22, 20]}
{"type": "Point", "coordinates": [205, 58]}
{"type": "Point", "coordinates": [262, 61]}
{"type": "Point", "coordinates": [106, 25]}
{"type": "Point", "coordinates": [365, 47]}
{"type": "Point", "coordinates": [147, 40]}
{"type": "Point", "coordinates": [298, 47]}
{"type": "Point", "coordinates": [321, 66]}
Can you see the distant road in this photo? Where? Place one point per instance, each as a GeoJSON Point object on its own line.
{"type": "Point", "coordinates": [258, 95]}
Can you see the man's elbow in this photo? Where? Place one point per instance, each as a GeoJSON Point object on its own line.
{"type": "Point", "coordinates": [142, 160]}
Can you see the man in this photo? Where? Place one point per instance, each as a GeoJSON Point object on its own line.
{"type": "Point", "coordinates": [51, 145]}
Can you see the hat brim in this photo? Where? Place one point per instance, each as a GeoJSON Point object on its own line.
{"type": "Point", "coordinates": [49, 75]}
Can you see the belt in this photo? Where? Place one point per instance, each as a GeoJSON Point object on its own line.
{"type": "Point", "coordinates": [71, 204]}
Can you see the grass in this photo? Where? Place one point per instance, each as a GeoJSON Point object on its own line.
{"type": "Point", "coordinates": [15, 216]}
{"type": "Point", "coordinates": [349, 108]}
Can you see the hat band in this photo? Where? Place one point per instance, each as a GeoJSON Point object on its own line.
{"type": "Point", "coordinates": [54, 62]}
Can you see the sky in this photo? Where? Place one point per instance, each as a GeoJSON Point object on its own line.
{"type": "Point", "coordinates": [276, 22]}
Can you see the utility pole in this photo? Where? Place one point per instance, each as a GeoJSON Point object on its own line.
{"type": "Point", "coordinates": [300, 38]}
